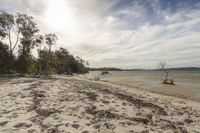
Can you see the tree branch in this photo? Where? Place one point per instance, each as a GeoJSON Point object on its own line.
{"type": "Point", "coordinates": [17, 34]}
{"type": "Point", "coordinates": [9, 36]}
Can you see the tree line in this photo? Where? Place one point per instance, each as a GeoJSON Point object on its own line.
{"type": "Point", "coordinates": [19, 35]}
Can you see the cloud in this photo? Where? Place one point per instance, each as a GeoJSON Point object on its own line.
{"type": "Point", "coordinates": [118, 33]}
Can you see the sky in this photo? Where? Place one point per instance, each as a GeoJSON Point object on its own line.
{"type": "Point", "coordinates": [120, 33]}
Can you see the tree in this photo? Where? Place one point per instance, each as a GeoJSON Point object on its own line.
{"type": "Point", "coordinates": [28, 29]}
{"type": "Point", "coordinates": [43, 58]}
{"type": "Point", "coordinates": [4, 57]}
{"type": "Point", "coordinates": [87, 63]}
{"type": "Point", "coordinates": [39, 40]}
{"type": "Point", "coordinates": [8, 27]}
{"type": "Point", "coordinates": [50, 40]}
{"type": "Point", "coordinates": [26, 34]}
{"type": "Point", "coordinates": [162, 66]}
{"type": "Point", "coordinates": [63, 61]}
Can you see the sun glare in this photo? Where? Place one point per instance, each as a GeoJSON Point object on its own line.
{"type": "Point", "coordinates": [58, 15]}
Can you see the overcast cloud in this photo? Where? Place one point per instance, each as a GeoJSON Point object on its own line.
{"type": "Point", "coordinates": [120, 33]}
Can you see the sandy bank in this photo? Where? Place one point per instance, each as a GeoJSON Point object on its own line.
{"type": "Point", "coordinates": [71, 104]}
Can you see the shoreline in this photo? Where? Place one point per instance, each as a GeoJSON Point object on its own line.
{"type": "Point", "coordinates": [155, 92]}
{"type": "Point", "coordinates": [74, 104]}
{"type": "Point", "coordinates": [138, 89]}
{"type": "Point", "coordinates": [141, 88]}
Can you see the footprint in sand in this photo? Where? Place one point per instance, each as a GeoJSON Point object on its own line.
{"type": "Point", "coordinates": [85, 132]}
{"type": "Point", "coordinates": [101, 105]}
{"type": "Point", "coordinates": [123, 108]}
{"type": "Point", "coordinates": [113, 101]}
{"type": "Point", "coordinates": [3, 123]}
{"type": "Point", "coordinates": [52, 130]}
{"type": "Point", "coordinates": [21, 124]}
{"type": "Point", "coordinates": [88, 124]}
{"type": "Point", "coordinates": [105, 101]}
{"type": "Point", "coordinates": [76, 126]}
{"type": "Point", "coordinates": [97, 126]}
{"type": "Point", "coordinates": [67, 124]}
{"type": "Point", "coordinates": [124, 104]}
{"type": "Point", "coordinates": [31, 131]}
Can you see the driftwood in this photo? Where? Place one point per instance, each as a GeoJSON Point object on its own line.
{"type": "Point", "coordinates": [169, 81]}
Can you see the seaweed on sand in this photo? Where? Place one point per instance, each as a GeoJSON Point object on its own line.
{"type": "Point", "coordinates": [137, 102]}
{"type": "Point", "coordinates": [107, 114]}
{"type": "Point", "coordinates": [91, 96]}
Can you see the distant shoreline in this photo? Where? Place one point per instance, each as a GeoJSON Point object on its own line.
{"type": "Point", "coordinates": [119, 69]}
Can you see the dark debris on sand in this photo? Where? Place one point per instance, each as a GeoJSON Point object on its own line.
{"type": "Point", "coordinates": [91, 96]}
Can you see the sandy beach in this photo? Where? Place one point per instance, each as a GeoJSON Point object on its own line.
{"type": "Point", "coordinates": [77, 105]}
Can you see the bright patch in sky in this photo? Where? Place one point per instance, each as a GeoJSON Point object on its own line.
{"type": "Point", "coordinates": [58, 15]}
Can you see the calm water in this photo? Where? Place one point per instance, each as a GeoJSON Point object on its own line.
{"type": "Point", "coordinates": [187, 82]}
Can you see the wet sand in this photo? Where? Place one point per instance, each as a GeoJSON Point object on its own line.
{"type": "Point", "coordinates": [77, 105]}
{"type": "Point", "coordinates": [187, 84]}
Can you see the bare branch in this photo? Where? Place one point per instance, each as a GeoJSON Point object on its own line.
{"type": "Point", "coordinates": [17, 34]}
{"type": "Point", "coordinates": [9, 36]}
{"type": "Point", "coordinates": [162, 66]}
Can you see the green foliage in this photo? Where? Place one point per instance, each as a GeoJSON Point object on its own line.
{"type": "Point", "coordinates": [62, 58]}
{"type": "Point", "coordinates": [26, 25]}
{"type": "Point", "coordinates": [7, 27]}
{"type": "Point", "coordinates": [24, 63]}
{"type": "Point", "coordinates": [45, 62]}
{"type": "Point", "coordinates": [26, 31]}
{"type": "Point", "coordinates": [6, 23]}
{"type": "Point", "coordinates": [50, 40]}
{"type": "Point", "coordinates": [60, 61]}
{"type": "Point", "coordinates": [4, 57]}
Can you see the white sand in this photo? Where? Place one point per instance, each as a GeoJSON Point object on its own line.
{"type": "Point", "coordinates": [73, 104]}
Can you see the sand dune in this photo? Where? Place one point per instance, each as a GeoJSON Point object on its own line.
{"type": "Point", "coordinates": [76, 105]}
